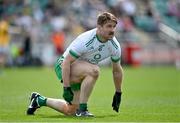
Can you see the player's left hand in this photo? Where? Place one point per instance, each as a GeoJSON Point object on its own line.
{"type": "Point", "coordinates": [116, 101]}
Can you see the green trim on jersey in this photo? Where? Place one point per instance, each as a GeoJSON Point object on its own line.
{"type": "Point", "coordinates": [99, 39]}
{"type": "Point", "coordinates": [114, 44]}
{"type": "Point", "coordinates": [90, 42]}
{"type": "Point", "coordinates": [74, 54]}
{"type": "Point", "coordinates": [115, 59]}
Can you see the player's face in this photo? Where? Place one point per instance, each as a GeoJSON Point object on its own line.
{"type": "Point", "coordinates": [108, 29]}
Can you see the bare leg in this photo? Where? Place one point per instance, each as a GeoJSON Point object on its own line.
{"type": "Point", "coordinates": [87, 87]}
{"type": "Point", "coordinates": [57, 104]}
{"type": "Point", "coordinates": [62, 106]}
{"type": "Point", "coordinates": [88, 74]}
{"type": "Point", "coordinates": [80, 72]}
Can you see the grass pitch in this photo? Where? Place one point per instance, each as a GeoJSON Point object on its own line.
{"type": "Point", "coordinates": [149, 94]}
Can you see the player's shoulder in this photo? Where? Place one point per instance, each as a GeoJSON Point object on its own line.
{"type": "Point", "coordinates": [88, 35]}
{"type": "Point", "coordinates": [115, 43]}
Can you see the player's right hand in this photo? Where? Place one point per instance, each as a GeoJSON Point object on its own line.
{"type": "Point", "coordinates": [68, 94]}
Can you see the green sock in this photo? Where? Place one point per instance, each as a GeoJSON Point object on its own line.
{"type": "Point", "coordinates": [41, 101]}
{"type": "Point", "coordinates": [83, 106]}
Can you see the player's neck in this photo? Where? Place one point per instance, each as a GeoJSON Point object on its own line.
{"type": "Point", "coordinates": [100, 38]}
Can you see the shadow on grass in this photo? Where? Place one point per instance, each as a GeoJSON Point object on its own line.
{"type": "Point", "coordinates": [74, 117]}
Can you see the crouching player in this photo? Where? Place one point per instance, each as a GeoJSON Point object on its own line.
{"type": "Point", "coordinates": [78, 70]}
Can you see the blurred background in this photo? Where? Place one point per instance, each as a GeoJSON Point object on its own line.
{"type": "Point", "coordinates": [36, 32]}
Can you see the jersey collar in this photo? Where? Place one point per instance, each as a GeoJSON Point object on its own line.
{"type": "Point", "coordinates": [98, 38]}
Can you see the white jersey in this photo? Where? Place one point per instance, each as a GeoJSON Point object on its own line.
{"type": "Point", "coordinates": [88, 47]}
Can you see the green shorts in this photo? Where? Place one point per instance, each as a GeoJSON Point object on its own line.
{"type": "Point", "coordinates": [58, 70]}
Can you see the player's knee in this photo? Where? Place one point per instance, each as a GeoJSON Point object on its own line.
{"type": "Point", "coordinates": [95, 72]}
{"type": "Point", "coordinates": [70, 109]}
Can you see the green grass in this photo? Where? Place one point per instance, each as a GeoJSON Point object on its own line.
{"type": "Point", "coordinates": [149, 94]}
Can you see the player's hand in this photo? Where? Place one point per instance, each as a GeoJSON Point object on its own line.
{"type": "Point", "coordinates": [68, 94]}
{"type": "Point", "coordinates": [116, 101]}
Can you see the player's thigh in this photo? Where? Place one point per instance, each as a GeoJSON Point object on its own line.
{"type": "Point", "coordinates": [80, 69]}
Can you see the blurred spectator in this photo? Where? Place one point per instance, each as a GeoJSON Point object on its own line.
{"type": "Point", "coordinates": [58, 39]}
{"type": "Point", "coordinates": [172, 7]}
{"type": "Point", "coordinates": [4, 40]}
{"type": "Point", "coordinates": [25, 21]}
{"type": "Point", "coordinates": [57, 22]}
{"type": "Point", "coordinates": [128, 8]}
{"type": "Point", "coordinates": [178, 10]}
{"type": "Point", "coordinates": [27, 49]}
{"type": "Point", "coordinates": [148, 10]}
{"type": "Point", "coordinates": [127, 24]}
{"type": "Point", "coordinates": [148, 20]}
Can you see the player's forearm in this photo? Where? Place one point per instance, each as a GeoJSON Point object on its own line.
{"type": "Point", "coordinates": [66, 73]}
{"type": "Point", "coordinates": [118, 78]}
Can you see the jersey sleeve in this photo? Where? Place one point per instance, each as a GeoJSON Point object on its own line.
{"type": "Point", "coordinates": [116, 51]}
{"type": "Point", "coordinates": [77, 48]}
